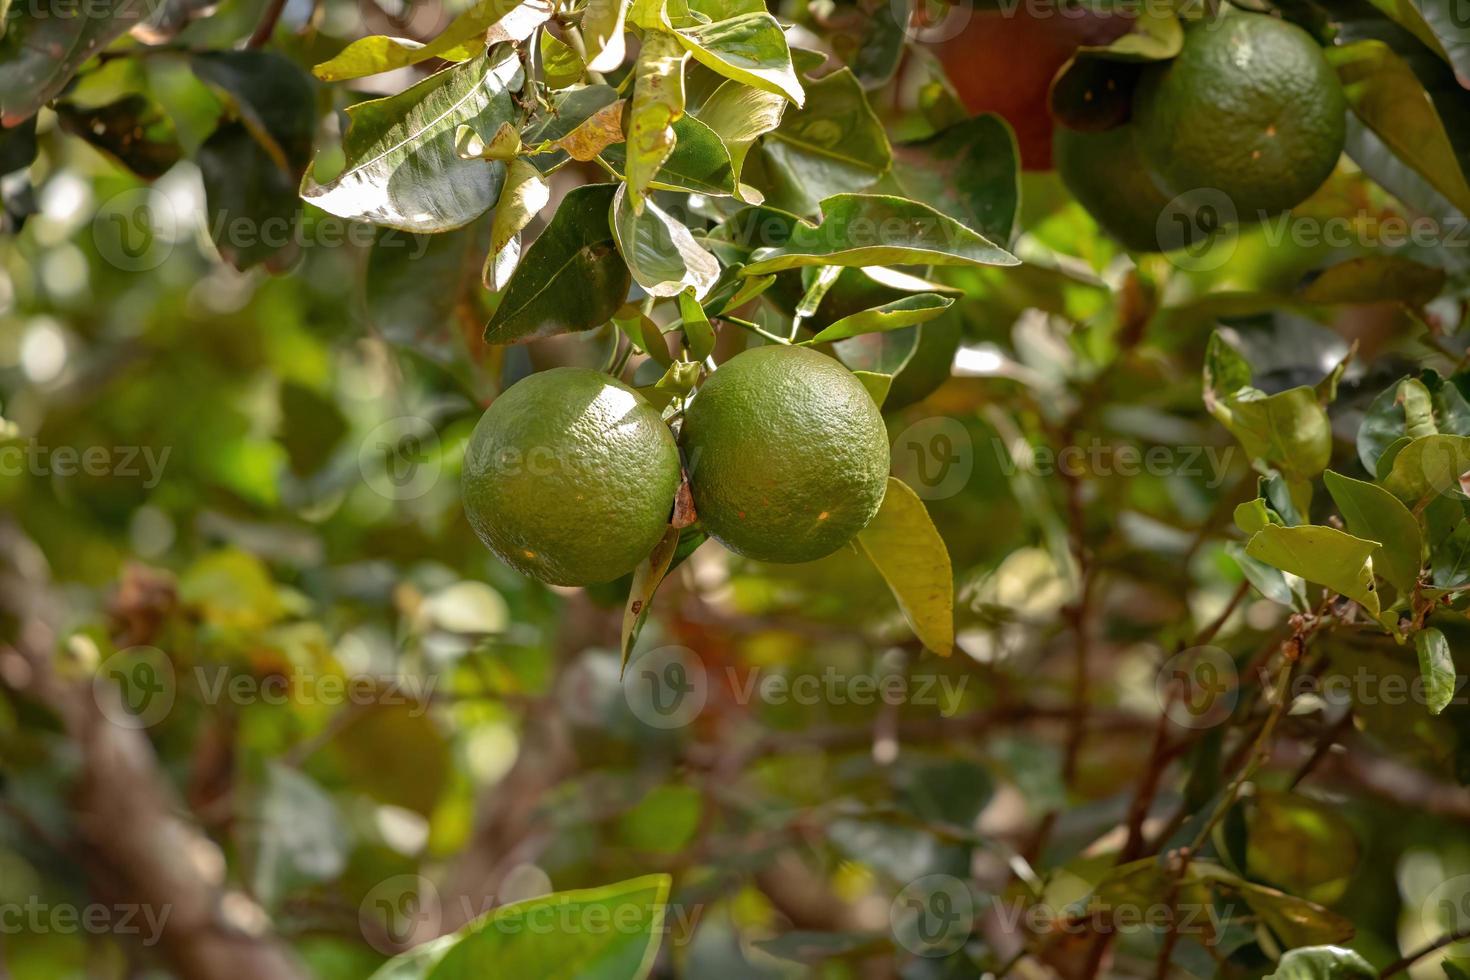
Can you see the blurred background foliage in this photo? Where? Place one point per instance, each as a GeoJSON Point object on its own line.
{"type": "Point", "coordinates": [256, 533]}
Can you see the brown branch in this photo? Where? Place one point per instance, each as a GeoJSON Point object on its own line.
{"type": "Point", "coordinates": [267, 26]}
{"type": "Point", "coordinates": [1399, 966]}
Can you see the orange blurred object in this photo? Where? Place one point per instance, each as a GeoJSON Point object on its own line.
{"type": "Point", "coordinates": [1003, 61]}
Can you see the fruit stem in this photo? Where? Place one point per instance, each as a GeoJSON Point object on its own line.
{"type": "Point", "coordinates": [747, 325]}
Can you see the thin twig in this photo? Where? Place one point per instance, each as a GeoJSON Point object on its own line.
{"type": "Point", "coordinates": [267, 25]}
{"type": "Point", "coordinates": [1399, 966]}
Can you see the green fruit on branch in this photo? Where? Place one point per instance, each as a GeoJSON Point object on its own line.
{"type": "Point", "coordinates": [1249, 109]}
{"type": "Point", "coordinates": [787, 454]}
{"type": "Point", "coordinates": [570, 477]}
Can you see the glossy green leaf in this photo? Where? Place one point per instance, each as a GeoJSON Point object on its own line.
{"type": "Point", "coordinates": [1323, 963]}
{"type": "Point", "coordinates": [1324, 555]}
{"type": "Point", "coordinates": [582, 123]}
{"type": "Point", "coordinates": [872, 229]}
{"type": "Point", "coordinates": [513, 20]}
{"type": "Point", "coordinates": [739, 115]}
{"type": "Point", "coordinates": [834, 144]}
{"type": "Point", "coordinates": [42, 48]}
{"type": "Point", "coordinates": [1252, 515]}
{"type": "Point", "coordinates": [660, 251]}
{"type": "Point", "coordinates": [903, 544]}
{"type": "Point", "coordinates": [525, 193]}
{"type": "Point", "coordinates": [970, 171]}
{"type": "Point", "coordinates": [699, 163]}
{"type": "Point", "coordinates": [1388, 418]}
{"type": "Point", "coordinates": [1278, 586]}
{"type": "Point", "coordinates": [878, 385]}
{"type": "Point", "coordinates": [402, 170]}
{"type": "Point", "coordinates": [658, 100]}
{"type": "Point", "coordinates": [561, 66]}
{"type": "Point", "coordinates": [750, 49]}
{"type": "Point", "coordinates": [1388, 98]}
{"type": "Point", "coordinates": [1436, 668]}
{"type": "Point", "coordinates": [1429, 467]}
{"type": "Point", "coordinates": [906, 312]}
{"type": "Point", "coordinates": [1374, 514]}
{"type": "Point", "coordinates": [879, 353]}
{"type": "Point", "coordinates": [699, 336]}
{"type": "Point", "coordinates": [1375, 279]}
{"type": "Point", "coordinates": [1288, 430]}
{"type": "Point", "coordinates": [571, 278]}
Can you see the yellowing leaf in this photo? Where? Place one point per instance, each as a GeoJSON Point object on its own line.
{"type": "Point", "coordinates": [908, 552]}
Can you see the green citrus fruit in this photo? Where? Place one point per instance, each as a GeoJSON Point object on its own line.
{"type": "Point", "coordinates": [1250, 108]}
{"type": "Point", "coordinates": [570, 477]}
{"type": "Point", "coordinates": [788, 457]}
{"type": "Point", "coordinates": [1107, 177]}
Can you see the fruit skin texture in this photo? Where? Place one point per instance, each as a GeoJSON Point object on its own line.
{"type": "Point", "coordinates": [1250, 108]}
{"type": "Point", "coordinates": [1107, 177]}
{"type": "Point", "coordinates": [570, 477]}
{"type": "Point", "coordinates": [788, 456]}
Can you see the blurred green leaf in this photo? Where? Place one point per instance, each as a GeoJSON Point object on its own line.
{"type": "Point", "coordinates": [664, 821]}
{"type": "Point", "coordinates": [42, 48]}
{"type": "Point", "coordinates": [1436, 668]}
{"type": "Point", "coordinates": [1375, 279]}
{"type": "Point", "coordinates": [1322, 963]}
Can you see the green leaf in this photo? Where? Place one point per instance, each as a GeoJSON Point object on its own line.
{"type": "Point", "coordinates": [1375, 279]}
{"type": "Point", "coordinates": [644, 333]}
{"type": "Point", "coordinates": [699, 163]}
{"type": "Point", "coordinates": [750, 49]}
{"type": "Point", "coordinates": [1288, 430]}
{"type": "Point", "coordinates": [515, 941]}
{"type": "Point", "coordinates": [970, 171]}
{"type": "Point", "coordinates": [603, 26]}
{"type": "Point", "coordinates": [525, 193]}
{"type": "Point", "coordinates": [834, 144]}
{"type": "Point", "coordinates": [1323, 963]}
{"type": "Point", "coordinates": [296, 834]}
{"type": "Point", "coordinates": [1252, 515]}
{"type": "Point", "coordinates": [402, 170]}
{"type": "Point", "coordinates": [17, 144]}
{"type": "Point", "coordinates": [582, 123]}
{"type": "Point", "coordinates": [881, 354]}
{"type": "Point", "coordinates": [1296, 921]}
{"type": "Point", "coordinates": [1388, 98]}
{"type": "Point", "coordinates": [1400, 407]}
{"type": "Point", "coordinates": [41, 49]}
{"type": "Point", "coordinates": [1428, 467]}
{"type": "Point", "coordinates": [878, 385]}
{"type": "Point", "coordinates": [134, 131]}
{"type": "Point", "coordinates": [252, 163]}
{"type": "Point", "coordinates": [1449, 559]}
{"type": "Point", "coordinates": [513, 20]}
{"type": "Point", "coordinates": [1301, 845]}
{"type": "Point", "coordinates": [1439, 24]}
{"type": "Point", "coordinates": [571, 278]}
{"type": "Point", "coordinates": [1374, 514]}
{"type": "Point", "coordinates": [1278, 586]}
{"type": "Point", "coordinates": [394, 752]}
{"type": "Point", "coordinates": [660, 251]}
{"type": "Point", "coordinates": [1436, 668]}
{"type": "Point", "coordinates": [699, 336]}
{"type": "Point", "coordinates": [872, 229]}
{"type": "Point", "coordinates": [664, 821]}
{"type": "Point", "coordinates": [646, 579]}
{"type": "Point", "coordinates": [739, 115]}
{"type": "Point", "coordinates": [1325, 555]}
{"type": "Point", "coordinates": [658, 100]}
{"type": "Point", "coordinates": [561, 66]}
{"type": "Point", "coordinates": [900, 313]}
{"type": "Point", "coordinates": [905, 547]}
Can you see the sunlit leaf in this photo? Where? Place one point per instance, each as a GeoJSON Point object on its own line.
{"type": "Point", "coordinates": [907, 550]}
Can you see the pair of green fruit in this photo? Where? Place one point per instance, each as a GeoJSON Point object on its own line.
{"type": "Point", "coordinates": [570, 476]}
{"type": "Point", "coordinates": [1248, 121]}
